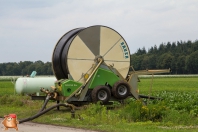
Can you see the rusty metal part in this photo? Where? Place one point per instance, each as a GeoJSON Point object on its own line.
{"type": "Point", "coordinates": [146, 72]}
{"type": "Point", "coordinates": [52, 94]}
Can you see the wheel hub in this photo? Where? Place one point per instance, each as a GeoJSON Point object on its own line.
{"type": "Point", "coordinates": [122, 90]}
{"type": "Point", "coordinates": [102, 95]}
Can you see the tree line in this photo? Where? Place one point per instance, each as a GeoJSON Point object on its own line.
{"type": "Point", "coordinates": [25, 68]}
{"type": "Point", "coordinates": [181, 57]}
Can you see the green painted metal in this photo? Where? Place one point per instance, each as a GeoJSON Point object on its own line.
{"type": "Point", "coordinates": [103, 76]}
{"type": "Point", "coordinates": [69, 86]}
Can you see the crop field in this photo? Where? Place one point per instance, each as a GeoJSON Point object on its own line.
{"type": "Point", "coordinates": [169, 84]}
{"type": "Point", "coordinates": [177, 111]}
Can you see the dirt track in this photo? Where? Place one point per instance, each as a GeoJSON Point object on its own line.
{"type": "Point", "coordinates": [35, 127]}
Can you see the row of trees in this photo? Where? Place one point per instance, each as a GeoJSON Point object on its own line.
{"type": "Point", "coordinates": [25, 68]}
{"type": "Point", "coordinates": [181, 57]}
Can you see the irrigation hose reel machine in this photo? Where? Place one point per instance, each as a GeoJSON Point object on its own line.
{"type": "Point", "coordinates": [91, 64]}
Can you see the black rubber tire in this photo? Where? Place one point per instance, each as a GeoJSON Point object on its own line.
{"type": "Point", "coordinates": [101, 93]}
{"type": "Point", "coordinates": [121, 90]}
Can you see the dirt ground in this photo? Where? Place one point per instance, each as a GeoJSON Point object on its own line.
{"type": "Point", "coordinates": [35, 127]}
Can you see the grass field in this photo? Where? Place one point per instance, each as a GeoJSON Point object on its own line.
{"type": "Point", "coordinates": [6, 87]}
{"type": "Point", "coordinates": [168, 84]}
{"type": "Point", "coordinates": [178, 111]}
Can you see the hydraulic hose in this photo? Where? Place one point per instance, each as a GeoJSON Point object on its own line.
{"type": "Point", "coordinates": [42, 112]}
{"type": "Point", "coordinates": [45, 103]}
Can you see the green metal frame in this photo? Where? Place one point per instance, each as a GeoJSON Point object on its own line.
{"type": "Point", "coordinates": [103, 76]}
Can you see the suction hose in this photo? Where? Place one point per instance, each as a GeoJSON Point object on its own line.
{"type": "Point", "coordinates": [45, 103]}
{"type": "Point", "coordinates": [43, 112]}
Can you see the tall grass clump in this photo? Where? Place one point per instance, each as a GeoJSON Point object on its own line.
{"type": "Point", "coordinates": [137, 111]}
{"type": "Point", "coordinates": [175, 117]}
{"type": "Point", "coordinates": [96, 114]}
{"type": "Point", "coordinates": [134, 111]}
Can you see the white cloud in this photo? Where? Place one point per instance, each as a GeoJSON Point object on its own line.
{"type": "Point", "coordinates": [27, 25]}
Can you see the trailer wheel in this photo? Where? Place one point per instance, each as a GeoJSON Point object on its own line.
{"type": "Point", "coordinates": [101, 93]}
{"type": "Point", "coordinates": [121, 89]}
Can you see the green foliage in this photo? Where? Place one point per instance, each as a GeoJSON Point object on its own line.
{"type": "Point", "coordinates": [180, 101]}
{"type": "Point", "coordinates": [175, 117]}
{"type": "Point", "coordinates": [192, 62]}
{"type": "Point", "coordinates": [137, 111]}
{"type": "Point", "coordinates": [25, 68]}
{"type": "Point", "coordinates": [96, 114]}
{"type": "Point", "coordinates": [167, 111]}
{"type": "Point", "coordinates": [181, 57]}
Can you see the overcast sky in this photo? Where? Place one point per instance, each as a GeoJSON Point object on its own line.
{"type": "Point", "coordinates": [29, 29]}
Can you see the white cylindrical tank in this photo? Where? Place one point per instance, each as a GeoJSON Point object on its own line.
{"type": "Point", "coordinates": [28, 85]}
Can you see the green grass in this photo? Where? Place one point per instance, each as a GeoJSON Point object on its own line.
{"type": "Point", "coordinates": [6, 87]}
{"type": "Point", "coordinates": [95, 117]}
{"type": "Point", "coordinates": [168, 84]}
{"type": "Point", "coordinates": [178, 111]}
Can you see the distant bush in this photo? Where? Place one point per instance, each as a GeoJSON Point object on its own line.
{"type": "Point", "coordinates": [8, 78]}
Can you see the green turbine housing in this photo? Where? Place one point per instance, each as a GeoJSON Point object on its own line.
{"type": "Point", "coordinates": [67, 87]}
{"type": "Point", "coordinates": [103, 76]}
